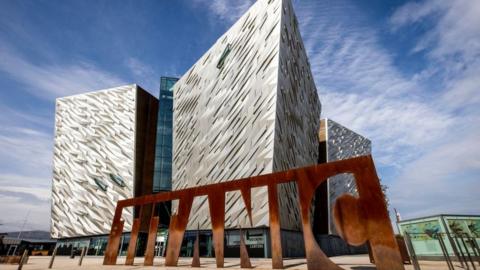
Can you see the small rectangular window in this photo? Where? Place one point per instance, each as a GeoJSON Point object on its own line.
{"type": "Point", "coordinates": [224, 55]}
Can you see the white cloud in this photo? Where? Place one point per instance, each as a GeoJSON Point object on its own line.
{"type": "Point", "coordinates": [456, 26]}
{"type": "Point", "coordinates": [26, 138]}
{"type": "Point", "coordinates": [38, 188]}
{"type": "Point", "coordinates": [13, 180]}
{"type": "Point", "coordinates": [423, 125]}
{"type": "Point", "coordinates": [360, 86]}
{"type": "Point", "coordinates": [143, 75]}
{"type": "Point", "coordinates": [429, 136]}
{"type": "Point", "coordinates": [25, 162]}
{"type": "Point", "coordinates": [138, 68]}
{"type": "Point", "coordinates": [26, 149]}
{"type": "Point", "coordinates": [463, 91]}
{"type": "Point", "coordinates": [226, 10]}
{"type": "Point", "coordinates": [397, 126]}
{"type": "Point", "coordinates": [414, 12]}
{"type": "Point", "coordinates": [13, 217]}
{"type": "Point", "coordinates": [445, 180]}
{"type": "Point", "coordinates": [452, 44]}
{"type": "Point", "coordinates": [49, 81]}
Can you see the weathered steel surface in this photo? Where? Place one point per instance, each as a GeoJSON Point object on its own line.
{"type": "Point", "coordinates": [132, 245]}
{"type": "Point", "coordinates": [152, 237]}
{"type": "Point", "coordinates": [111, 252]}
{"type": "Point", "coordinates": [133, 242]}
{"type": "Point", "coordinates": [216, 203]}
{"type": "Point", "coordinates": [275, 235]}
{"type": "Point", "coordinates": [316, 259]}
{"type": "Point", "coordinates": [244, 258]}
{"type": "Point", "coordinates": [366, 218]}
{"type": "Point", "coordinates": [357, 219]}
{"type": "Point", "coordinates": [247, 199]}
{"type": "Point", "coordinates": [178, 224]}
{"type": "Point", "coordinates": [196, 251]}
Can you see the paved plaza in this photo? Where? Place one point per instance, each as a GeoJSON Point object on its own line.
{"type": "Point", "coordinates": [357, 262]}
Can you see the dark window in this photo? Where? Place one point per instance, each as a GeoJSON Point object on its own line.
{"type": "Point", "coordinates": [225, 53]}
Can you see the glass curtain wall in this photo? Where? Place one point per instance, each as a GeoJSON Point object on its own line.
{"type": "Point", "coordinates": [162, 179]}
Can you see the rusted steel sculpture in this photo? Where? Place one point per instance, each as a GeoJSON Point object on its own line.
{"type": "Point", "coordinates": [358, 219]}
{"type": "Point", "coordinates": [132, 245]}
{"type": "Point", "coordinates": [244, 258]}
{"type": "Point", "coordinates": [196, 251]}
{"type": "Point", "coordinates": [152, 237]}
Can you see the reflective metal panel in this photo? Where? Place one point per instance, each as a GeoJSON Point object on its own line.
{"type": "Point", "coordinates": [342, 143]}
{"type": "Point", "coordinates": [257, 112]}
{"type": "Point", "coordinates": [94, 138]}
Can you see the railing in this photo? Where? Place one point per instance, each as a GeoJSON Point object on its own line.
{"type": "Point", "coordinates": [451, 247]}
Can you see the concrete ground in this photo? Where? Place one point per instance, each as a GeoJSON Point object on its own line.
{"type": "Point", "coordinates": [352, 262]}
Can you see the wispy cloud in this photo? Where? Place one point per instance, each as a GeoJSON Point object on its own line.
{"type": "Point", "coordinates": [35, 215]}
{"type": "Point", "coordinates": [26, 141]}
{"type": "Point", "coordinates": [416, 123]}
{"type": "Point", "coordinates": [25, 163]}
{"type": "Point", "coordinates": [25, 149]}
{"type": "Point", "coordinates": [452, 44]}
{"type": "Point", "coordinates": [444, 180]}
{"type": "Point", "coordinates": [424, 126]}
{"type": "Point", "coordinates": [421, 124]}
{"type": "Point", "coordinates": [449, 171]}
{"type": "Point", "coordinates": [397, 127]}
{"type": "Point", "coordinates": [361, 87]}
{"type": "Point", "coordinates": [143, 74]}
{"type": "Point", "coordinates": [26, 137]}
{"type": "Point", "coordinates": [47, 81]}
{"type": "Point", "coordinates": [455, 30]}
{"type": "Point", "coordinates": [26, 195]}
{"type": "Point", "coordinates": [226, 10]}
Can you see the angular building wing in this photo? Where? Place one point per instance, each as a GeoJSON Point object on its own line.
{"type": "Point", "coordinates": [339, 143]}
{"type": "Point", "coordinates": [103, 152]}
{"type": "Point", "coordinates": [248, 106]}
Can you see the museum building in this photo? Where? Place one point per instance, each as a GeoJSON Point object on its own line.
{"type": "Point", "coordinates": [248, 106]}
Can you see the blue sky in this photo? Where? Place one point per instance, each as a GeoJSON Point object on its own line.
{"type": "Point", "coordinates": [403, 73]}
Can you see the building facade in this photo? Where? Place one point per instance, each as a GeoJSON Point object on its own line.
{"type": "Point", "coordinates": [336, 143]}
{"type": "Point", "coordinates": [248, 106]}
{"type": "Point", "coordinates": [103, 152]}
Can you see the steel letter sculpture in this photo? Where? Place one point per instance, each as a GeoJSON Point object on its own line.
{"type": "Point", "coordinates": [358, 219]}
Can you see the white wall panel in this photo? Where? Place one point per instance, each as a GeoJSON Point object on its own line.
{"type": "Point", "coordinates": [94, 139]}
{"type": "Point", "coordinates": [256, 114]}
